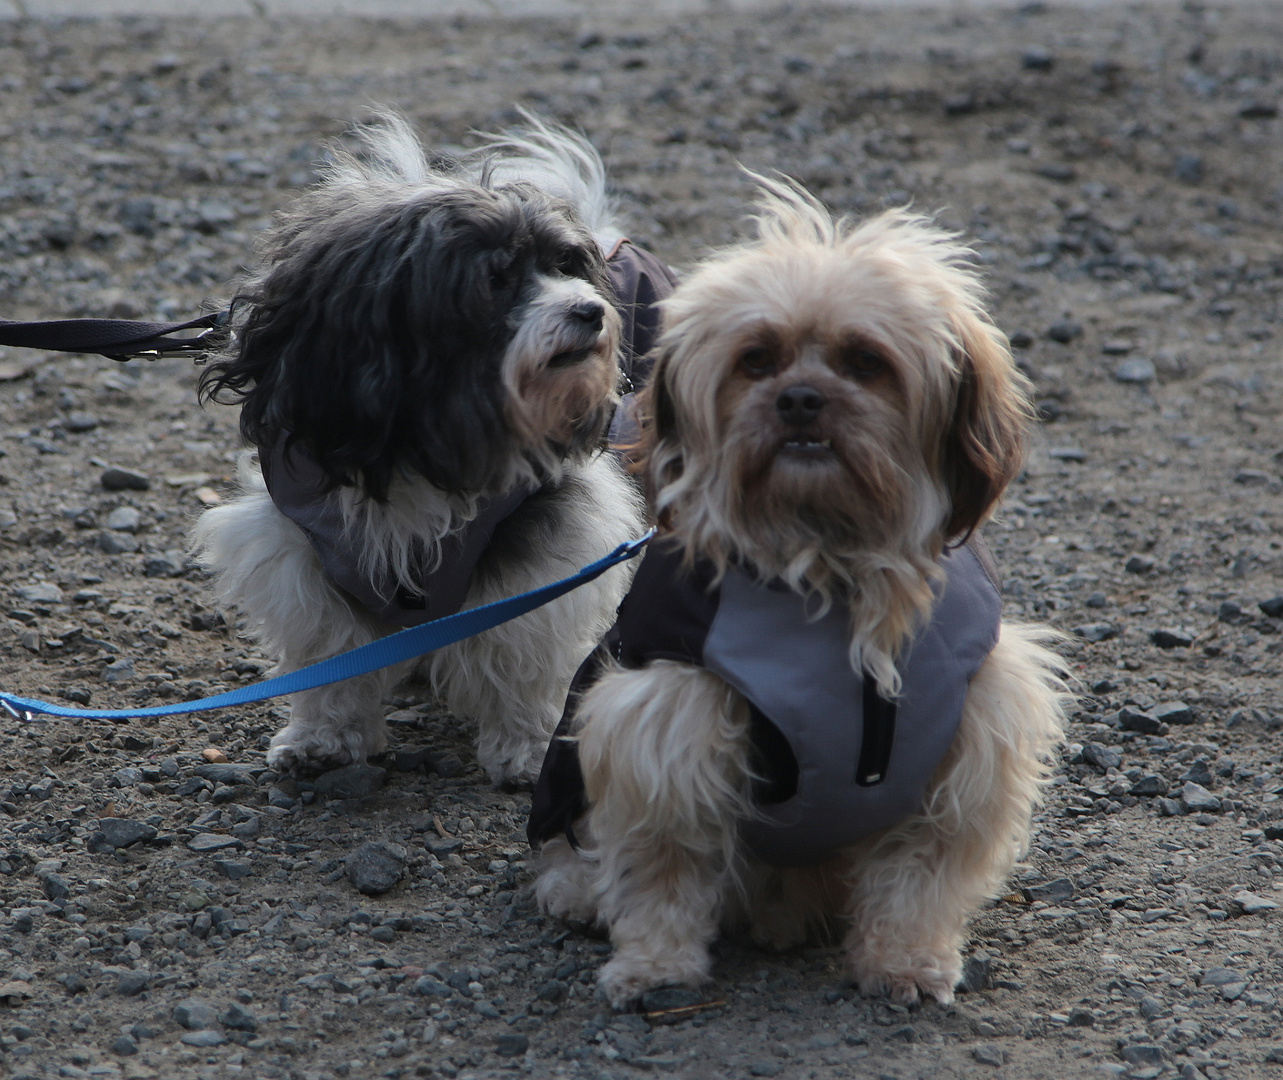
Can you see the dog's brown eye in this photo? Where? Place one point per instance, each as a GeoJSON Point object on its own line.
{"type": "Point", "coordinates": [863, 363]}
{"type": "Point", "coordinates": [757, 363]}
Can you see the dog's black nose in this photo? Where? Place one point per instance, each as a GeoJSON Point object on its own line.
{"type": "Point", "coordinates": [590, 313]}
{"type": "Point", "coordinates": [799, 404]}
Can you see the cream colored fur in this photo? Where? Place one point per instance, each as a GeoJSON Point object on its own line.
{"type": "Point", "coordinates": [920, 430]}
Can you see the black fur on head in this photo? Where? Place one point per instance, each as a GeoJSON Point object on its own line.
{"type": "Point", "coordinates": [374, 339]}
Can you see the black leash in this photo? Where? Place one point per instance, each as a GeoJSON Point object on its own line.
{"type": "Point", "coordinates": [116, 339]}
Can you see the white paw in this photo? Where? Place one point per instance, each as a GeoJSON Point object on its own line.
{"type": "Point", "coordinates": [517, 766]}
{"type": "Point", "coordinates": [907, 987]}
{"type": "Point", "coordinates": [298, 752]}
{"type": "Point", "coordinates": [625, 978]}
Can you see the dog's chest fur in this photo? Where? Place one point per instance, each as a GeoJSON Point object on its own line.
{"type": "Point", "coordinates": [836, 761]}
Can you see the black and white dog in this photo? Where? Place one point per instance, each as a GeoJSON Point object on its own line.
{"type": "Point", "coordinates": [428, 363]}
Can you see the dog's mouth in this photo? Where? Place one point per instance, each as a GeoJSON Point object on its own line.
{"type": "Point", "coordinates": [576, 345]}
{"type": "Point", "coordinates": [571, 357]}
{"type": "Point", "coordinates": [804, 447]}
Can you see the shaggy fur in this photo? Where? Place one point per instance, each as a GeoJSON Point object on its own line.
{"type": "Point", "coordinates": [430, 336]}
{"type": "Point", "coordinates": [831, 405]}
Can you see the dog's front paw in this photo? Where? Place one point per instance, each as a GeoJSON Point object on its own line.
{"type": "Point", "coordinates": [513, 767]}
{"type": "Point", "coordinates": [933, 978]}
{"type": "Point", "coordinates": [302, 752]}
{"type": "Point", "coordinates": [626, 978]}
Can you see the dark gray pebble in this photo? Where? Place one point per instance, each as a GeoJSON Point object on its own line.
{"type": "Point", "coordinates": [1052, 892]}
{"type": "Point", "coordinates": [116, 478]}
{"type": "Point", "coordinates": [376, 866]}
{"type": "Point", "coordinates": [195, 1014]}
{"type": "Point", "coordinates": [350, 782]}
{"type": "Point", "coordinates": [132, 983]}
{"type": "Point", "coordinates": [511, 1045]}
{"type": "Point", "coordinates": [239, 1018]}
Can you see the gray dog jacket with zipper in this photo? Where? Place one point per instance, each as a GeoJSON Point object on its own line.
{"type": "Point", "coordinates": [303, 494]}
{"type": "Point", "coordinates": [835, 760]}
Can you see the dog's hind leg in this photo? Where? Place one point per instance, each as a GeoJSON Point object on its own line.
{"type": "Point", "coordinates": [914, 887]}
{"type": "Point", "coordinates": [664, 753]}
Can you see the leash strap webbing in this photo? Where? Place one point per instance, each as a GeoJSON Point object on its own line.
{"type": "Point", "coordinates": [393, 649]}
{"type": "Point", "coordinates": [113, 338]}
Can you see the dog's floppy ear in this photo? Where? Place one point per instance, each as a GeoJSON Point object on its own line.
{"type": "Point", "coordinates": [658, 456]}
{"type": "Point", "coordinates": [985, 444]}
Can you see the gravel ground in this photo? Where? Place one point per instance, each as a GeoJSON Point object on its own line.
{"type": "Point", "coordinates": [165, 915]}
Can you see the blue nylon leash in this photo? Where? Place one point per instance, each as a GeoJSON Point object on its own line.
{"type": "Point", "coordinates": [393, 649]}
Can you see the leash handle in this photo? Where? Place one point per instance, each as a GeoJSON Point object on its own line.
{"type": "Point", "coordinates": [393, 649]}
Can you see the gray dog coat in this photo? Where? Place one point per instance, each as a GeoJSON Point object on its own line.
{"type": "Point", "coordinates": [302, 492]}
{"type": "Point", "coordinates": [834, 760]}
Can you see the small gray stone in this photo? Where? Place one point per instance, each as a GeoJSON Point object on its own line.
{"type": "Point", "coordinates": [124, 519]}
{"type": "Point", "coordinates": [239, 1018]}
{"type": "Point", "coordinates": [204, 1038]}
{"type": "Point", "coordinates": [1272, 607]}
{"type": "Point", "coordinates": [132, 983]}
{"type": "Point", "coordinates": [42, 592]}
{"type": "Point", "coordinates": [232, 869]}
{"type": "Point", "coordinates": [116, 478]}
{"type": "Point", "coordinates": [55, 887]}
{"type": "Point", "coordinates": [1188, 168]}
{"type": "Point", "coordinates": [447, 765]}
{"type": "Point", "coordinates": [1037, 59]}
{"type": "Point", "coordinates": [430, 986]}
{"type": "Point", "coordinates": [116, 543]}
{"type": "Point", "coordinates": [78, 422]}
{"type": "Point", "coordinates": [1142, 1054]}
{"type": "Point", "coordinates": [976, 974]}
{"type": "Point", "coordinates": [125, 1046]}
{"type": "Point", "coordinates": [195, 1014]}
{"type": "Point", "coordinates": [1173, 638]}
{"type": "Point", "coordinates": [1067, 453]}
{"type": "Point", "coordinates": [1136, 370]}
{"type": "Point", "coordinates": [119, 671]}
{"type": "Point", "coordinates": [1149, 787]}
{"type": "Point", "coordinates": [1194, 797]}
{"type": "Point", "coordinates": [1102, 757]}
{"type": "Point", "coordinates": [213, 215]}
{"type": "Point", "coordinates": [168, 564]}
{"type": "Point", "coordinates": [203, 843]}
{"type": "Point", "coordinates": [121, 832]}
{"type": "Point", "coordinates": [1096, 632]}
{"type": "Point", "coordinates": [1250, 903]}
{"type": "Point", "coordinates": [1052, 892]}
{"type": "Point", "coordinates": [1174, 712]}
{"type": "Point", "coordinates": [1131, 719]}
{"type": "Point", "coordinates": [225, 773]}
{"type": "Point", "coordinates": [766, 1067]}
{"type": "Point", "coordinates": [551, 991]}
{"type": "Point", "coordinates": [988, 1054]}
{"type": "Point", "coordinates": [350, 782]}
{"type": "Point", "coordinates": [376, 866]}
{"type": "Point", "coordinates": [1065, 331]}
{"type": "Point", "coordinates": [511, 1045]}
{"type": "Point", "coordinates": [1151, 1007]}
{"type": "Point", "coordinates": [1139, 564]}
{"type": "Point", "coordinates": [1221, 976]}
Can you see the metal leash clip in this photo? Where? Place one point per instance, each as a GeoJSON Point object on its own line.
{"type": "Point", "coordinates": [24, 717]}
{"type": "Point", "coordinates": [198, 344]}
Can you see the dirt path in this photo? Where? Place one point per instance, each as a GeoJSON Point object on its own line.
{"type": "Point", "coordinates": [1120, 170]}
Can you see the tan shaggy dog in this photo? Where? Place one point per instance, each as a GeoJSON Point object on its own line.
{"type": "Point", "coordinates": [831, 411]}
